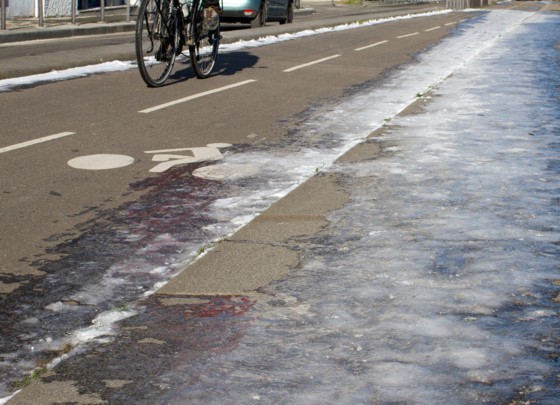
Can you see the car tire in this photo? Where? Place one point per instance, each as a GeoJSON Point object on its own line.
{"type": "Point", "coordinates": [260, 19]}
{"type": "Point", "coordinates": [289, 14]}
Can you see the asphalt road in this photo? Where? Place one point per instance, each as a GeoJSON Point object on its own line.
{"type": "Point", "coordinates": [252, 100]}
{"type": "Point", "coordinates": [25, 57]}
{"type": "Point", "coordinates": [46, 199]}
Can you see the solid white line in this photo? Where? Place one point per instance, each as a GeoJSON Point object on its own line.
{"type": "Point", "coordinates": [35, 141]}
{"type": "Point", "coordinates": [408, 35]}
{"type": "Point", "coordinates": [433, 28]}
{"type": "Point", "coordinates": [310, 63]}
{"type": "Point", "coordinates": [194, 96]}
{"type": "Point", "coordinates": [371, 46]}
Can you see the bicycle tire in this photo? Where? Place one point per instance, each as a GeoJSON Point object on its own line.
{"type": "Point", "coordinates": [204, 52]}
{"type": "Point", "coordinates": [157, 40]}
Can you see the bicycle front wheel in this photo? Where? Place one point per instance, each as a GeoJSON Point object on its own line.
{"type": "Point", "coordinates": [157, 41]}
{"type": "Point", "coordinates": [204, 52]}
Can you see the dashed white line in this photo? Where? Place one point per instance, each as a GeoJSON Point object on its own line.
{"type": "Point", "coordinates": [433, 28]}
{"type": "Point", "coordinates": [310, 63]}
{"type": "Point", "coordinates": [408, 35]}
{"type": "Point", "coordinates": [195, 96]}
{"type": "Point", "coordinates": [35, 141]}
{"type": "Point", "coordinates": [371, 46]}
{"type": "Point", "coordinates": [450, 23]}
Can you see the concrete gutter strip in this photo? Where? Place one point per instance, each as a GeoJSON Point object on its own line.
{"type": "Point", "coordinates": [265, 249]}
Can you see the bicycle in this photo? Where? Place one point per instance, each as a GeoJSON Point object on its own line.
{"type": "Point", "coordinates": [162, 31]}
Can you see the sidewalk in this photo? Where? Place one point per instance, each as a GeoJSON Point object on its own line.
{"type": "Point", "coordinates": [89, 23]}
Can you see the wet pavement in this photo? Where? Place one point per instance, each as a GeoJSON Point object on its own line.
{"type": "Point", "coordinates": [438, 281]}
{"type": "Point", "coordinates": [430, 276]}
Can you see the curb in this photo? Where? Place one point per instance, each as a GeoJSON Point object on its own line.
{"type": "Point", "coordinates": [65, 31]}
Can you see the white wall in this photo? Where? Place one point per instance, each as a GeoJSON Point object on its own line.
{"type": "Point", "coordinates": [57, 8]}
{"type": "Point", "coordinates": [20, 8]}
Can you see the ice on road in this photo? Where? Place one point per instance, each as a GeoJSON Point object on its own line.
{"type": "Point", "coordinates": [435, 284]}
{"type": "Point", "coordinates": [438, 282]}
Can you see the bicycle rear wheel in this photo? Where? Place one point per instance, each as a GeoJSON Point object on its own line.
{"type": "Point", "coordinates": [157, 40]}
{"type": "Point", "coordinates": [204, 52]}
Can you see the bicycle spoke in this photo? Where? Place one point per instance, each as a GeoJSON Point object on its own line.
{"type": "Point", "coordinates": [156, 41]}
{"type": "Point", "coordinates": [204, 51]}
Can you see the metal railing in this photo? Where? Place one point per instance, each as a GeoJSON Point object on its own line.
{"type": "Point", "coordinates": [100, 12]}
{"type": "Point", "coordinates": [3, 16]}
{"type": "Point", "coordinates": [452, 4]}
{"type": "Point", "coordinates": [463, 4]}
{"type": "Point", "coordinates": [391, 2]}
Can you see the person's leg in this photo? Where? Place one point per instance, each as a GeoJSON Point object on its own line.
{"type": "Point", "coordinates": [211, 10]}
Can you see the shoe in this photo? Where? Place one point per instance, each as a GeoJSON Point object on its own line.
{"type": "Point", "coordinates": [211, 19]}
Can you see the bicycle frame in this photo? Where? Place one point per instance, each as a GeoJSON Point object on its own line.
{"type": "Point", "coordinates": [163, 29]}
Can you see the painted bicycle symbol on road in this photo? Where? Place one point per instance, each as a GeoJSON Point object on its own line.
{"type": "Point", "coordinates": [168, 158]}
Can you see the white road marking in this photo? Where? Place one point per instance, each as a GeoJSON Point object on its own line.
{"type": "Point", "coordinates": [100, 162]}
{"type": "Point", "coordinates": [451, 23]}
{"type": "Point", "coordinates": [371, 46]}
{"type": "Point", "coordinates": [195, 96]}
{"type": "Point", "coordinates": [310, 63]}
{"type": "Point", "coordinates": [212, 145]}
{"type": "Point", "coordinates": [35, 141]}
{"type": "Point", "coordinates": [408, 35]}
{"type": "Point", "coordinates": [433, 28]}
{"type": "Point", "coordinates": [210, 152]}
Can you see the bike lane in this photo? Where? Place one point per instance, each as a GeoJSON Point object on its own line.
{"type": "Point", "coordinates": [371, 256]}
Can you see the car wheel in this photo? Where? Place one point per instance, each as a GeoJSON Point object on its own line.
{"type": "Point", "coordinates": [260, 19]}
{"type": "Point", "coordinates": [289, 14]}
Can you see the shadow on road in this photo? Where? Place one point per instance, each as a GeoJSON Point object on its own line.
{"type": "Point", "coordinates": [227, 64]}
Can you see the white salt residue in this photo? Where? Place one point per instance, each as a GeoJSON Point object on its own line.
{"type": "Point", "coordinates": [271, 39]}
{"type": "Point", "coordinates": [66, 74]}
{"type": "Point", "coordinates": [467, 222]}
{"type": "Point", "coordinates": [160, 270]}
{"type": "Point", "coordinates": [61, 307]}
{"type": "Point", "coordinates": [102, 325]}
{"type": "Point", "coordinates": [6, 399]}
